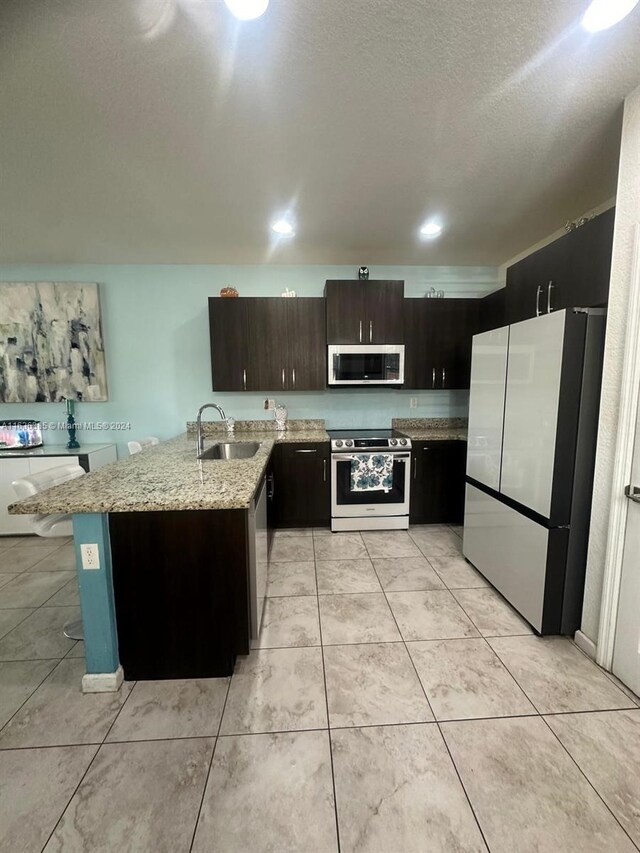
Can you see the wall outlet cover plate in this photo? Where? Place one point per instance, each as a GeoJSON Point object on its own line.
{"type": "Point", "coordinates": [90, 557]}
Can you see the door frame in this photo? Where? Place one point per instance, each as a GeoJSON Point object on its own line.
{"type": "Point", "coordinates": [627, 424]}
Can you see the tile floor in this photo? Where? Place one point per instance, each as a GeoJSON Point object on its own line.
{"type": "Point", "coordinates": [395, 703]}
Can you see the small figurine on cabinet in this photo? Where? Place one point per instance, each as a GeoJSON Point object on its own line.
{"type": "Point", "coordinates": [363, 273]}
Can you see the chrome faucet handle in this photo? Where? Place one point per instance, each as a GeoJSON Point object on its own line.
{"type": "Point", "coordinates": [230, 425]}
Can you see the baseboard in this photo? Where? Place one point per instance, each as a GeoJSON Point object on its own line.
{"type": "Point", "coordinates": [102, 682]}
{"type": "Point", "coordinates": [583, 642]}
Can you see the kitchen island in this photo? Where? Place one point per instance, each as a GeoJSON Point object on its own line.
{"type": "Point", "coordinates": [170, 598]}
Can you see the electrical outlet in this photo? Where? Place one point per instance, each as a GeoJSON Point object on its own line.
{"type": "Point", "coordinates": [90, 556]}
{"type": "Point", "coordinates": [269, 405]}
{"type": "Point", "coordinates": [413, 402]}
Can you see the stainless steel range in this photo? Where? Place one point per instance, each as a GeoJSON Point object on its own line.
{"type": "Point", "coordinates": [377, 499]}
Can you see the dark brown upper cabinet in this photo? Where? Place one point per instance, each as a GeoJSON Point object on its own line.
{"type": "Point", "coordinates": [438, 335]}
{"type": "Point", "coordinates": [493, 311]}
{"type": "Point", "coordinates": [572, 271]}
{"type": "Point", "coordinates": [268, 344]}
{"type": "Point", "coordinates": [365, 312]}
{"type": "Point", "coordinates": [229, 338]}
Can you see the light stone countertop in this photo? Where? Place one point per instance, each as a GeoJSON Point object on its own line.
{"type": "Point", "coordinates": [432, 429]}
{"type": "Point", "coordinates": [46, 450]}
{"type": "Point", "coordinates": [167, 477]}
{"type": "Point", "coordinates": [435, 434]}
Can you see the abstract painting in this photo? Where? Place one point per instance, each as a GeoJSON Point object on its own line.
{"type": "Point", "coordinates": [51, 344]}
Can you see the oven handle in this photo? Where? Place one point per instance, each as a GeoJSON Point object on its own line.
{"type": "Point", "coordinates": [400, 457]}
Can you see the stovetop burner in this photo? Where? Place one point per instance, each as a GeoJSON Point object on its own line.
{"type": "Point", "coordinates": [368, 439]}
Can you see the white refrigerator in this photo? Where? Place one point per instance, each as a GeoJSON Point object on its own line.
{"type": "Point", "coordinates": [533, 414]}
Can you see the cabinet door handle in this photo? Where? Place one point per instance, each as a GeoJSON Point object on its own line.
{"type": "Point", "coordinates": [360, 331]}
{"type": "Point", "coordinates": [433, 378]}
{"type": "Point", "coordinates": [550, 287]}
{"type": "Point", "coordinates": [293, 376]}
{"type": "Point", "coordinates": [272, 483]}
{"type": "Point", "coordinates": [444, 377]}
{"type": "Point", "coordinates": [244, 380]}
{"type": "Point", "coordinates": [306, 451]}
{"type": "Point", "coordinates": [283, 377]}
{"type": "Point", "coordinates": [415, 467]}
{"type": "Point", "coordinates": [324, 470]}
{"type": "Point", "coordinates": [538, 292]}
{"type": "Point", "coordinates": [370, 331]}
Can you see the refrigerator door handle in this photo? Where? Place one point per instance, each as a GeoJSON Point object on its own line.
{"type": "Point", "coordinates": [538, 292]}
{"type": "Point", "coordinates": [550, 287]}
{"type": "Point", "coordinates": [633, 493]}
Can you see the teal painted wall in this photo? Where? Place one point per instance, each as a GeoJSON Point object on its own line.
{"type": "Point", "coordinates": [155, 327]}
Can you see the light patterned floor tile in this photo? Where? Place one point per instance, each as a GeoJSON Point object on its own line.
{"type": "Point", "coordinates": [136, 798]}
{"type": "Point", "coordinates": [289, 621]}
{"type": "Point", "coordinates": [373, 685]}
{"type": "Point", "coordinates": [430, 615]}
{"type": "Point", "coordinates": [526, 791]}
{"type": "Point", "coordinates": [356, 618]}
{"type": "Point", "coordinates": [276, 690]}
{"type": "Point", "coordinates": [267, 793]}
{"type": "Point", "coordinates": [397, 790]}
{"type": "Point", "coordinates": [35, 787]}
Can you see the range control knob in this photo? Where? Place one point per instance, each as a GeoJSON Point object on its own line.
{"type": "Point", "coordinates": [393, 442]}
{"type": "Point", "coordinates": [403, 441]}
{"type": "Point", "coordinates": [349, 443]}
{"type": "Point", "coordinates": [339, 443]}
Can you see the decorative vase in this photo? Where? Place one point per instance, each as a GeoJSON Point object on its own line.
{"type": "Point", "coordinates": [280, 413]}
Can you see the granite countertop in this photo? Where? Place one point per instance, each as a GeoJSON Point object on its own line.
{"type": "Point", "coordinates": [168, 477]}
{"type": "Point", "coordinates": [435, 434]}
{"type": "Point", "coordinates": [432, 429]}
{"type": "Point", "coordinates": [51, 450]}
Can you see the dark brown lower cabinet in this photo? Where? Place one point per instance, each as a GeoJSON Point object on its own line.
{"type": "Point", "coordinates": [437, 482]}
{"type": "Point", "coordinates": [299, 485]}
{"type": "Point", "coordinates": [181, 585]}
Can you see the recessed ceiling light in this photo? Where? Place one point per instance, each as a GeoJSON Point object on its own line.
{"type": "Point", "coordinates": [247, 10]}
{"type": "Point", "coordinates": [603, 14]}
{"type": "Point", "coordinates": [283, 227]}
{"type": "Point", "coordinates": [431, 230]}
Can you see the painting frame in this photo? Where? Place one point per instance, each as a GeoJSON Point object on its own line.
{"type": "Point", "coordinates": [51, 343]}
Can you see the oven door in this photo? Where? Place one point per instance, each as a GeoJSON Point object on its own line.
{"type": "Point", "coordinates": [348, 504]}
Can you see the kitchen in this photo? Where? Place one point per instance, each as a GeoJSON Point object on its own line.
{"type": "Point", "coordinates": [379, 642]}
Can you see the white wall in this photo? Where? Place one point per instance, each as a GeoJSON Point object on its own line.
{"type": "Point", "coordinates": [627, 215]}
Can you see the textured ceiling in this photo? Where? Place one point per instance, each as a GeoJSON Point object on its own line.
{"type": "Point", "coordinates": [165, 131]}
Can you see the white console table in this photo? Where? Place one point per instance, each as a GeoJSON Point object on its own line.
{"type": "Point", "coordinates": [20, 463]}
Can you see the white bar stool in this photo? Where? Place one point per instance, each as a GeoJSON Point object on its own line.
{"type": "Point", "coordinates": [55, 525]}
{"type": "Point", "coordinates": [142, 444]}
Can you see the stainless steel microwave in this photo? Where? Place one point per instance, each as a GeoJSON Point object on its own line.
{"type": "Point", "coordinates": [366, 364]}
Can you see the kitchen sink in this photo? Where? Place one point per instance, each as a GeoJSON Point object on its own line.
{"type": "Point", "coordinates": [231, 450]}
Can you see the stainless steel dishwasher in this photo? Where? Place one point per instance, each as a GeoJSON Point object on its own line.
{"type": "Point", "coordinates": [258, 557]}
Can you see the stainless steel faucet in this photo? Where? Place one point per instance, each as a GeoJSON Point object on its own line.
{"type": "Point", "coordinates": [199, 439]}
